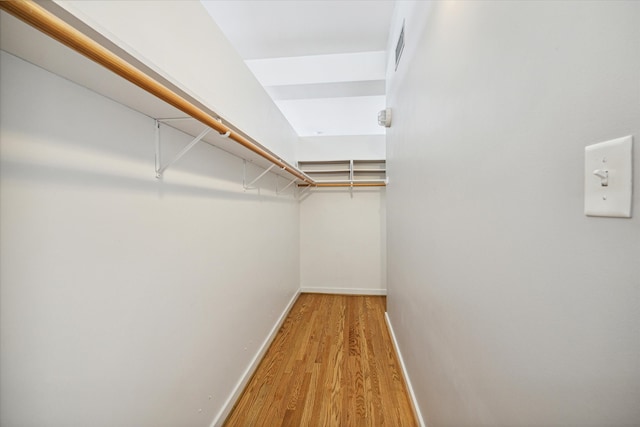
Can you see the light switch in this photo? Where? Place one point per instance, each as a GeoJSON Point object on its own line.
{"type": "Point", "coordinates": [608, 178]}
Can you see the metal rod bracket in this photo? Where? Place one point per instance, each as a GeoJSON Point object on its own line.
{"type": "Point", "coordinates": [160, 169]}
{"type": "Point", "coordinates": [249, 186]}
{"type": "Point", "coordinates": [286, 186]}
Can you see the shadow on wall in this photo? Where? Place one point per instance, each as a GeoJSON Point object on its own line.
{"type": "Point", "coordinates": [65, 175]}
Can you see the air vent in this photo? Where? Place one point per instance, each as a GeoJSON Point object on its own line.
{"type": "Point", "coordinates": [400, 46]}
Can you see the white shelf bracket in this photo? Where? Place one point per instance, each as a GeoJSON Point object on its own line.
{"type": "Point", "coordinates": [157, 136]}
{"type": "Point", "coordinates": [301, 193]}
{"type": "Point", "coordinates": [249, 185]}
{"type": "Point", "coordinates": [286, 186]}
{"type": "Point", "coordinates": [160, 169]}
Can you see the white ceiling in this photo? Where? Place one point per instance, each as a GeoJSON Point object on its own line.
{"type": "Point", "coordinates": [274, 29]}
{"type": "Point", "coordinates": [323, 62]}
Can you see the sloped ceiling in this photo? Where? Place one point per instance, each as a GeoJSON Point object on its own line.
{"type": "Point", "coordinates": [322, 62]}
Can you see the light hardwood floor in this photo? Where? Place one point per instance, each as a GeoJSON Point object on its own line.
{"type": "Point", "coordinates": [331, 364]}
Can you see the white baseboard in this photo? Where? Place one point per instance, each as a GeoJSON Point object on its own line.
{"type": "Point", "coordinates": [239, 388]}
{"type": "Point", "coordinates": [343, 291]}
{"type": "Point", "coordinates": [404, 372]}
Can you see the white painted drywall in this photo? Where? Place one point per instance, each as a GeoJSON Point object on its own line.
{"type": "Point", "coordinates": [344, 115]}
{"type": "Point", "coordinates": [510, 306]}
{"type": "Point", "coordinates": [342, 241]}
{"type": "Point", "coordinates": [127, 300]}
{"type": "Point", "coordinates": [313, 69]}
{"type": "Point", "coordinates": [343, 238]}
{"type": "Point", "coordinates": [180, 41]}
{"type": "Point", "coordinates": [358, 147]}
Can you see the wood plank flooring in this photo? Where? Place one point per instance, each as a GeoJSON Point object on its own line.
{"type": "Point", "coordinates": [331, 364]}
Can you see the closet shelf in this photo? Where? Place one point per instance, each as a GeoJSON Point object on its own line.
{"type": "Point", "coordinates": [326, 171]}
{"type": "Point", "coordinates": [351, 173]}
{"type": "Point", "coordinates": [73, 34]}
{"type": "Point", "coordinates": [368, 170]}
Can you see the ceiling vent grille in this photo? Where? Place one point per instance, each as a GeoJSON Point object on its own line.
{"type": "Point", "coordinates": [400, 46]}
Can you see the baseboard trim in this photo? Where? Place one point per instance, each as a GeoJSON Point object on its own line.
{"type": "Point", "coordinates": [343, 291]}
{"type": "Point", "coordinates": [248, 373]}
{"type": "Point", "coordinates": [404, 372]}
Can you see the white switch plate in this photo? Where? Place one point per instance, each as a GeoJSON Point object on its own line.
{"type": "Point", "coordinates": [612, 159]}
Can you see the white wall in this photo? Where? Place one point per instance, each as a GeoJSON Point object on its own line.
{"type": "Point", "coordinates": [179, 40]}
{"type": "Point", "coordinates": [510, 306]}
{"type": "Point", "coordinates": [343, 238]}
{"type": "Point", "coordinates": [343, 241]}
{"type": "Point", "coordinates": [360, 147]}
{"type": "Point", "coordinates": [127, 300]}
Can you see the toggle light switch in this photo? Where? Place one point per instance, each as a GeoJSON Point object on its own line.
{"type": "Point", "coordinates": [608, 178]}
{"type": "Point", "coordinates": [603, 175]}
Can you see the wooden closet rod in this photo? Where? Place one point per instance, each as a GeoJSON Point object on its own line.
{"type": "Point", "coordinates": [39, 18]}
{"type": "Point", "coordinates": [341, 184]}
